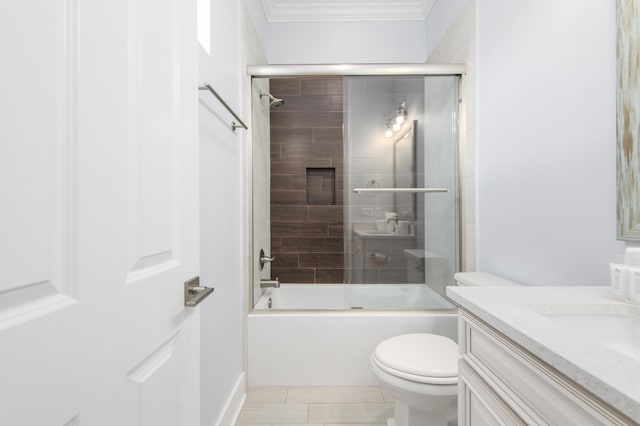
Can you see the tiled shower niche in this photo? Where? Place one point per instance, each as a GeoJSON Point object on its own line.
{"type": "Point", "coordinates": [321, 186]}
{"type": "Point", "coordinates": [306, 181]}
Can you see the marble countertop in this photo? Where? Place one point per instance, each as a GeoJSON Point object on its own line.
{"type": "Point", "coordinates": [522, 314]}
{"type": "Point", "coordinates": [372, 233]}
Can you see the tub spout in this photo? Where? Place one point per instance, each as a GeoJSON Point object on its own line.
{"type": "Point", "coordinates": [270, 283]}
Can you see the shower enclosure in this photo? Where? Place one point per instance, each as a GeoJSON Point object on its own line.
{"type": "Point", "coordinates": [361, 177]}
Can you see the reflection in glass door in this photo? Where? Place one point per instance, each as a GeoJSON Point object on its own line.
{"type": "Point", "coordinates": [401, 180]}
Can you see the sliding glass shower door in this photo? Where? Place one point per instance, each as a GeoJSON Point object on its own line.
{"type": "Point", "coordinates": [355, 182]}
{"type": "Point", "coordinates": [401, 180]}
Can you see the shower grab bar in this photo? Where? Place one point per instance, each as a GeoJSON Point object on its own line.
{"type": "Point", "coordinates": [421, 190]}
{"type": "Point", "coordinates": [234, 126]}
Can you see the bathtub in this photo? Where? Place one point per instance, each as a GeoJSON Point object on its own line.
{"type": "Point", "coordinates": [355, 296]}
{"type": "Point", "coordinates": [315, 335]}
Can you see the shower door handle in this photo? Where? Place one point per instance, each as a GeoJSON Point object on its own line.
{"type": "Point", "coordinates": [265, 259]}
{"type": "Point", "coordinates": [416, 190]}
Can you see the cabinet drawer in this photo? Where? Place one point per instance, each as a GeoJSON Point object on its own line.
{"type": "Point", "coordinates": [534, 390]}
{"type": "Point", "coordinates": [478, 404]}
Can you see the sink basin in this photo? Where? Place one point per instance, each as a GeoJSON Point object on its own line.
{"type": "Point", "coordinates": [614, 326]}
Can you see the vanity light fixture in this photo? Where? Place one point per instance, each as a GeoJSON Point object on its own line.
{"type": "Point", "coordinates": [401, 113]}
{"type": "Point", "coordinates": [395, 123]}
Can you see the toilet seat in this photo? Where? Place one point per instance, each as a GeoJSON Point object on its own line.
{"type": "Point", "coordinates": [419, 357]}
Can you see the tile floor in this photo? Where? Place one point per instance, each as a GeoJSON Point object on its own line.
{"type": "Point", "coordinates": [316, 406]}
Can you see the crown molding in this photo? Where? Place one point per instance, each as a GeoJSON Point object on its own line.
{"type": "Point", "coordinates": [346, 10]}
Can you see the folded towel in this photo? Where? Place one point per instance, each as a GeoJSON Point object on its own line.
{"type": "Point", "coordinates": [390, 215]}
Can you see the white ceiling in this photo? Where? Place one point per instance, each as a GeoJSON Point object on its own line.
{"type": "Point", "coordinates": [346, 10]}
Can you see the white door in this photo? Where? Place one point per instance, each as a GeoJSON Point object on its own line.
{"type": "Point", "coordinates": [98, 217]}
{"type": "Point", "coordinates": [261, 182]}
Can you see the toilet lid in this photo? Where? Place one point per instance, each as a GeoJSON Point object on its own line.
{"type": "Point", "coordinates": [420, 357]}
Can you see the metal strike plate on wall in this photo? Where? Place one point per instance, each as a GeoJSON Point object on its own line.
{"type": "Point", "coordinates": [194, 293]}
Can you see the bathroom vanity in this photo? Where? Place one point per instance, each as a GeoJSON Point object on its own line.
{"type": "Point", "coordinates": [378, 257]}
{"type": "Point", "coordinates": [547, 355]}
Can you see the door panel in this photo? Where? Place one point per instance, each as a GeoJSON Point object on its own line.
{"type": "Point", "coordinates": [99, 176]}
{"type": "Point", "coordinates": [37, 294]}
{"type": "Point", "coordinates": [40, 199]}
{"type": "Point", "coordinates": [154, 161]}
{"type": "Point", "coordinates": [152, 116]}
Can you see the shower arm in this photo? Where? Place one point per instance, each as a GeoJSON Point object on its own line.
{"type": "Point", "coordinates": [419, 190]}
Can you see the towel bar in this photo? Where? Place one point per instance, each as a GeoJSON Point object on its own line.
{"type": "Point", "coordinates": [234, 126]}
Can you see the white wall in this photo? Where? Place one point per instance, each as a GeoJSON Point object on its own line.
{"type": "Point", "coordinates": [439, 21]}
{"type": "Point", "coordinates": [346, 42]}
{"type": "Point", "coordinates": [222, 364]}
{"type": "Point", "coordinates": [339, 42]}
{"type": "Point", "coordinates": [546, 140]}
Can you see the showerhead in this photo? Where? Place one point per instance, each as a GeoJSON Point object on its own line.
{"type": "Point", "coordinates": [274, 103]}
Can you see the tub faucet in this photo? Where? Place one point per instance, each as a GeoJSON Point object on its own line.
{"type": "Point", "coordinates": [391, 216]}
{"type": "Point", "coordinates": [392, 227]}
{"type": "Point", "coordinates": [270, 283]}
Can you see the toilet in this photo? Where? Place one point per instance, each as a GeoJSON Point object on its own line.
{"type": "Point", "coordinates": [420, 370]}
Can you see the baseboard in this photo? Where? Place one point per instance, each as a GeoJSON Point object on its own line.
{"type": "Point", "coordinates": [233, 406]}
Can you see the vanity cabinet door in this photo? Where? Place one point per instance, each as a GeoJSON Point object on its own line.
{"type": "Point", "coordinates": [478, 404]}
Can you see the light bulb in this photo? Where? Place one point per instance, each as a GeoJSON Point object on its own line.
{"type": "Point", "coordinates": [388, 133]}
{"type": "Point", "coordinates": [396, 126]}
{"type": "Point", "coordinates": [400, 119]}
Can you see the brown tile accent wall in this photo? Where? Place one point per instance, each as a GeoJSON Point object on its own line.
{"type": "Point", "coordinates": [306, 181]}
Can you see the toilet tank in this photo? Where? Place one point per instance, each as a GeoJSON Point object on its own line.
{"type": "Point", "coordinates": [480, 279]}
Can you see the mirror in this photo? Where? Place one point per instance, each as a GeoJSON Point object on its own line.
{"type": "Point", "coordinates": [404, 171]}
{"type": "Point", "coordinates": [628, 119]}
